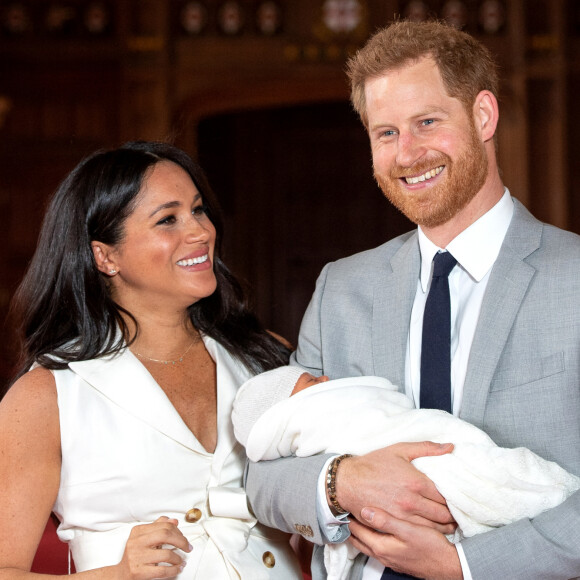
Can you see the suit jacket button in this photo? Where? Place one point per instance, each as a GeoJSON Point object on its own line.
{"type": "Point", "coordinates": [193, 515]}
{"type": "Point", "coordinates": [268, 559]}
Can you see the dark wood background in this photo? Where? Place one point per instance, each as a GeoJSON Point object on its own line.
{"type": "Point", "coordinates": [269, 119]}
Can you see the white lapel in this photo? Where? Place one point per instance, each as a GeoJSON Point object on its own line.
{"type": "Point", "coordinates": [230, 375]}
{"type": "Point", "coordinates": [507, 286]}
{"type": "Point", "coordinates": [128, 384]}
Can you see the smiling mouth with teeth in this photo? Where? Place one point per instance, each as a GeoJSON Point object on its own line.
{"type": "Point", "coordinates": [193, 261]}
{"type": "Point", "coordinates": [425, 176]}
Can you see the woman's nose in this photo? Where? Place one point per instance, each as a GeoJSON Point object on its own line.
{"type": "Point", "coordinates": [196, 230]}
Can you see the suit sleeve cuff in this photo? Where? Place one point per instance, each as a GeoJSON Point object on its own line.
{"type": "Point", "coordinates": [463, 561]}
{"type": "Point", "coordinates": [333, 528]}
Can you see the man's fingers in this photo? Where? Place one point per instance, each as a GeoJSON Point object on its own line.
{"type": "Point", "coordinates": [422, 501]}
{"type": "Point", "coordinates": [361, 546]}
{"type": "Point", "coordinates": [446, 529]}
{"type": "Point", "coordinates": [377, 519]}
{"type": "Point", "coordinates": [411, 451]}
{"type": "Point", "coordinates": [377, 545]}
{"type": "Point", "coordinates": [424, 449]}
{"type": "Point", "coordinates": [405, 547]}
{"type": "Point", "coordinates": [440, 519]}
{"type": "Point", "coordinates": [433, 510]}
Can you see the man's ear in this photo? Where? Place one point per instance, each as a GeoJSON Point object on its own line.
{"type": "Point", "coordinates": [104, 258]}
{"type": "Point", "coordinates": [486, 114]}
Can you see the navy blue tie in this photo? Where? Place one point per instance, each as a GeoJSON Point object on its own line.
{"type": "Point", "coordinates": [388, 574]}
{"type": "Point", "coordinates": [436, 342]}
{"type": "Point", "coordinates": [435, 350]}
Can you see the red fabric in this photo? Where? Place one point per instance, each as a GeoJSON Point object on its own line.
{"type": "Point", "coordinates": [52, 554]}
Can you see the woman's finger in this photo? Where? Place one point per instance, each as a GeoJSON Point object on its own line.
{"type": "Point", "coordinates": [161, 532]}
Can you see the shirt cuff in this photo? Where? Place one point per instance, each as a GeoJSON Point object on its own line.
{"type": "Point", "coordinates": [463, 561]}
{"type": "Point", "coordinates": [330, 525]}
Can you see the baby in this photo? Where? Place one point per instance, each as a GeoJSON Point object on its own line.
{"type": "Point", "coordinates": [287, 411]}
{"type": "Point", "coordinates": [306, 380]}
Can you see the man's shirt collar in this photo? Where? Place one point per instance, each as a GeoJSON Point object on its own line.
{"type": "Point", "coordinates": [475, 248]}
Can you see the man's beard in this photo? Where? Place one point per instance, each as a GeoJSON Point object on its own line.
{"type": "Point", "coordinates": [433, 206]}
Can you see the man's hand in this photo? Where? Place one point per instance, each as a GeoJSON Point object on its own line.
{"type": "Point", "coordinates": [405, 547]}
{"type": "Point", "coordinates": [385, 478]}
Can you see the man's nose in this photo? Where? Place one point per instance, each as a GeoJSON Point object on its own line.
{"type": "Point", "coordinates": [409, 149]}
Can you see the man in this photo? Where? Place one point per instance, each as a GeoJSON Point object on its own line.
{"type": "Point", "coordinates": [427, 95]}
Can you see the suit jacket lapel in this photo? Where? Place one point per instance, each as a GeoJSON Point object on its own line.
{"type": "Point", "coordinates": [507, 286]}
{"type": "Point", "coordinates": [394, 293]}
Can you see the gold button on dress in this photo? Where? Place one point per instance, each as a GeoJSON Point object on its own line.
{"type": "Point", "coordinates": [193, 515]}
{"type": "Point", "coordinates": [269, 559]}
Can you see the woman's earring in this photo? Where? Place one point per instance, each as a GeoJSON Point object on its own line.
{"type": "Point", "coordinates": [112, 272]}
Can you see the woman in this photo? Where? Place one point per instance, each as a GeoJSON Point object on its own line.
{"type": "Point", "coordinates": [138, 336]}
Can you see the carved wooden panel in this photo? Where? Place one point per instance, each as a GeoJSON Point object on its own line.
{"type": "Point", "coordinates": [77, 75]}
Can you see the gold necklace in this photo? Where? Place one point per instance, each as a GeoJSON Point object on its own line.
{"type": "Point", "coordinates": [166, 362]}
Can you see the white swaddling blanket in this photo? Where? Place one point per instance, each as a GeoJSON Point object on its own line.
{"type": "Point", "coordinates": [485, 486]}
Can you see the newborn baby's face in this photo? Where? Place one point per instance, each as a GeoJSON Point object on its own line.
{"type": "Point", "coordinates": [306, 380]}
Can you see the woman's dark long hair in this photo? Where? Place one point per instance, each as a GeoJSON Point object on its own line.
{"type": "Point", "coordinates": [64, 303]}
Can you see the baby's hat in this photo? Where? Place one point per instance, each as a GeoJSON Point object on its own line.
{"type": "Point", "coordinates": [260, 393]}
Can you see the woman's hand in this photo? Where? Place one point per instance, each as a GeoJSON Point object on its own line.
{"type": "Point", "coordinates": [149, 552]}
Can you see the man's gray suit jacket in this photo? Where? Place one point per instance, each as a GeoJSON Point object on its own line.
{"type": "Point", "coordinates": [522, 385]}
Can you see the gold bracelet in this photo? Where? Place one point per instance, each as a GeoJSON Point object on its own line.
{"type": "Point", "coordinates": [331, 483]}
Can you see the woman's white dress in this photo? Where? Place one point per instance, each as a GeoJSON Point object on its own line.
{"type": "Point", "coordinates": [128, 458]}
